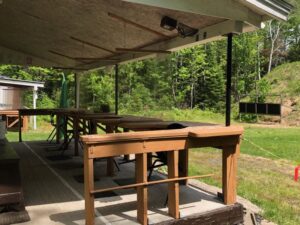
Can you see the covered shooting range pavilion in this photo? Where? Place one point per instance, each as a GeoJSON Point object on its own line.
{"type": "Point", "coordinates": [83, 35]}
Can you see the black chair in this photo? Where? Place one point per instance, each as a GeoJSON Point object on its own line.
{"type": "Point", "coordinates": [162, 157]}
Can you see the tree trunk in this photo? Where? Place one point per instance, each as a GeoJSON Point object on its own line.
{"type": "Point", "coordinates": [271, 57]}
{"type": "Point", "coordinates": [192, 95]}
{"type": "Point", "coordinates": [274, 34]}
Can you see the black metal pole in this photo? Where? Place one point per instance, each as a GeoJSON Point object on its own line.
{"type": "Point", "coordinates": [116, 89]}
{"type": "Point", "coordinates": [228, 78]}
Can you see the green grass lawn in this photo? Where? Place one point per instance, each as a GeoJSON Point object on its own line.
{"type": "Point", "coordinates": [274, 143]}
{"type": "Point", "coordinates": [28, 136]}
{"type": "Point", "coordinates": [266, 164]}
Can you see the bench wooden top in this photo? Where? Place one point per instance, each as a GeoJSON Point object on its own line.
{"type": "Point", "coordinates": [192, 132]}
{"type": "Point", "coordinates": [124, 119]}
{"type": "Point", "coordinates": [50, 111]}
{"type": "Point", "coordinates": [9, 112]}
{"type": "Point", "coordinates": [160, 125]}
{"type": "Point", "coordinates": [95, 116]}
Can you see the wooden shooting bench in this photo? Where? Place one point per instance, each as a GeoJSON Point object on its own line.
{"type": "Point", "coordinates": [11, 193]}
{"type": "Point", "coordinates": [12, 119]}
{"type": "Point", "coordinates": [31, 112]}
{"type": "Point", "coordinates": [170, 141]}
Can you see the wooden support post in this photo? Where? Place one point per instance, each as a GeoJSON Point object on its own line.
{"type": "Point", "coordinates": [76, 134]}
{"type": "Point", "coordinates": [20, 127]}
{"type": "Point", "coordinates": [65, 119]}
{"type": "Point", "coordinates": [229, 174]}
{"type": "Point", "coordinates": [58, 120]}
{"type": "Point", "coordinates": [183, 165]}
{"type": "Point", "coordinates": [25, 123]}
{"type": "Point", "coordinates": [149, 160]}
{"type": "Point", "coordinates": [110, 167]}
{"type": "Point", "coordinates": [92, 124]}
{"type": "Point", "coordinates": [126, 157]}
{"type": "Point", "coordinates": [88, 186]}
{"type": "Point", "coordinates": [142, 192]}
{"type": "Point", "coordinates": [173, 187]}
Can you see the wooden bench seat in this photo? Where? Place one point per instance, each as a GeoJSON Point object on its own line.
{"type": "Point", "coordinates": [10, 186]}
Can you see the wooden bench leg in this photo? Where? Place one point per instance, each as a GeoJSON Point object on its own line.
{"type": "Point", "coordinates": [229, 174]}
{"type": "Point", "coordinates": [183, 165]}
{"type": "Point", "coordinates": [142, 192]}
{"type": "Point", "coordinates": [110, 167]}
{"type": "Point", "coordinates": [20, 127]}
{"type": "Point", "coordinates": [88, 186]}
{"type": "Point", "coordinates": [173, 187]}
{"type": "Point", "coordinates": [126, 157]}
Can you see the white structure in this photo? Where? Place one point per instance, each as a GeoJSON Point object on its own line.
{"type": "Point", "coordinates": [11, 93]}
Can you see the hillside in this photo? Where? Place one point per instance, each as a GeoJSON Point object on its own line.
{"type": "Point", "coordinates": [285, 81]}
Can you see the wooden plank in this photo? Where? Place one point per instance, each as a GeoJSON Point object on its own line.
{"type": "Point", "coordinates": [96, 59]}
{"type": "Point", "coordinates": [149, 183]}
{"type": "Point", "coordinates": [229, 174]}
{"type": "Point", "coordinates": [142, 191]}
{"type": "Point", "coordinates": [213, 131]}
{"type": "Point", "coordinates": [232, 214]}
{"type": "Point", "coordinates": [136, 147]}
{"type": "Point", "coordinates": [147, 146]}
{"type": "Point", "coordinates": [159, 125]}
{"type": "Point", "coordinates": [91, 44]}
{"type": "Point", "coordinates": [63, 55]}
{"type": "Point", "coordinates": [193, 132]}
{"type": "Point", "coordinates": [88, 186]}
{"type": "Point", "coordinates": [138, 50]}
{"type": "Point", "coordinates": [173, 187]}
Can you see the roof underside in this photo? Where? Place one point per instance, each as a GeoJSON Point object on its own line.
{"type": "Point", "coordinates": [85, 34]}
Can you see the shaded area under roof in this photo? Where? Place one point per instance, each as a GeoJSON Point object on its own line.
{"type": "Point", "coordinates": [86, 34]}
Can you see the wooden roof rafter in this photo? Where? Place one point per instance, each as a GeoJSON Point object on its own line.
{"type": "Point", "coordinates": [63, 55]}
{"type": "Point", "coordinates": [91, 44]}
{"type": "Point", "coordinates": [138, 50]}
{"type": "Point", "coordinates": [122, 19]}
{"type": "Point", "coordinates": [210, 33]}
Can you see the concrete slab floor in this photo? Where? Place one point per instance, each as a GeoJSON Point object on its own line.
{"type": "Point", "coordinates": [53, 190]}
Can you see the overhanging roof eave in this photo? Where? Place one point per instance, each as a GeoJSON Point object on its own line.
{"type": "Point", "coordinates": [273, 9]}
{"type": "Point", "coordinates": [21, 83]}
